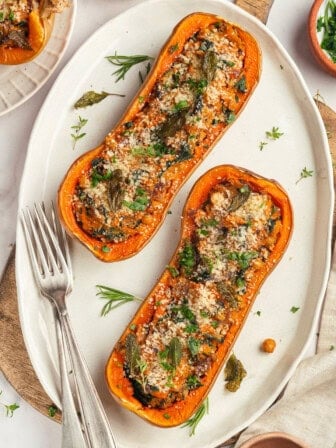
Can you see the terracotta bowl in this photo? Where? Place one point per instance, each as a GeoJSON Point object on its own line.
{"type": "Point", "coordinates": [274, 440]}
{"type": "Point", "coordinates": [316, 11]}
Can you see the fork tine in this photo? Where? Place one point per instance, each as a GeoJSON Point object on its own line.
{"type": "Point", "coordinates": [61, 236]}
{"type": "Point", "coordinates": [57, 262]}
{"type": "Point", "coordinates": [37, 268]}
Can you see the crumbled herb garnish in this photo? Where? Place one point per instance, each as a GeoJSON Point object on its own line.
{"type": "Point", "coordinates": [241, 85]}
{"type": "Point", "coordinates": [183, 104]}
{"type": "Point", "coordinates": [262, 145]}
{"type": "Point", "coordinates": [294, 309]}
{"type": "Point", "coordinates": [105, 249]}
{"type": "Point", "coordinates": [140, 202]}
{"type": "Point", "coordinates": [194, 346]}
{"type": "Point", "coordinates": [327, 24]}
{"type": "Point", "coordinates": [242, 258]}
{"type": "Point", "coordinates": [173, 48]}
{"type": "Point", "coordinates": [332, 347]}
{"type": "Point", "coordinates": [11, 15]}
{"type": "Point", "coordinates": [166, 416]}
{"type": "Point", "coordinates": [304, 174]}
{"type": "Point", "coordinates": [229, 116]}
{"type": "Point", "coordinates": [193, 382]}
{"type": "Point", "coordinates": [114, 298]}
{"type": "Point", "coordinates": [173, 271]}
{"type": "Point", "coordinates": [77, 135]}
{"type": "Point", "coordinates": [9, 408]}
{"type": "Point", "coordinates": [91, 97]}
{"type": "Point", "coordinates": [125, 63]}
{"type": "Point", "coordinates": [258, 313]}
{"type": "Point", "coordinates": [274, 134]}
{"type": "Point", "coordinates": [2, 18]}
{"type": "Point", "coordinates": [193, 421]}
{"type": "Point", "coordinates": [187, 258]}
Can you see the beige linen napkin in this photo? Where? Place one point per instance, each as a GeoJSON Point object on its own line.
{"type": "Point", "coordinates": [307, 408]}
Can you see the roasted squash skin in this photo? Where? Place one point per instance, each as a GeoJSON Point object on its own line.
{"type": "Point", "coordinates": [161, 298]}
{"type": "Point", "coordinates": [176, 174]}
{"type": "Point", "coordinates": [39, 31]}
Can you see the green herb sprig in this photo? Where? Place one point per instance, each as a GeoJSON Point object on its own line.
{"type": "Point", "coordinates": [77, 134]}
{"type": "Point", "coordinates": [304, 174]}
{"type": "Point", "coordinates": [274, 133]}
{"type": "Point", "coordinates": [9, 408]}
{"type": "Point", "coordinates": [125, 63]}
{"type": "Point", "coordinates": [194, 420]}
{"type": "Point", "coordinates": [114, 298]}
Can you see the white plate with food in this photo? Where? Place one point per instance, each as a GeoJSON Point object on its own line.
{"type": "Point", "coordinates": [279, 135]}
{"type": "Point", "coordinates": [19, 82]}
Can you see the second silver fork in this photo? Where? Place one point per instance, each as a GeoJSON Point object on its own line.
{"type": "Point", "coordinates": [48, 249]}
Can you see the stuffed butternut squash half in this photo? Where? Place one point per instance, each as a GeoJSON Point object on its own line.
{"type": "Point", "coordinates": [114, 197]}
{"type": "Point", "coordinates": [25, 28]}
{"type": "Point", "coordinates": [235, 228]}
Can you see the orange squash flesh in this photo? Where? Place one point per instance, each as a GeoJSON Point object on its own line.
{"type": "Point", "coordinates": [39, 33]}
{"type": "Point", "coordinates": [149, 221]}
{"type": "Point", "coordinates": [162, 298]}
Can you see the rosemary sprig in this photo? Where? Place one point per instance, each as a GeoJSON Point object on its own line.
{"type": "Point", "coordinates": [114, 298]}
{"type": "Point", "coordinates": [197, 417]}
{"type": "Point", "coordinates": [125, 63]}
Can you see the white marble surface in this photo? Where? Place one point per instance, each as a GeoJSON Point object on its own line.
{"type": "Point", "coordinates": [27, 428]}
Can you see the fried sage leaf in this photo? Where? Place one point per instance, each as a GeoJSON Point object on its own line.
{"type": "Point", "coordinates": [91, 97]}
{"type": "Point", "coordinates": [133, 357]}
{"type": "Point", "coordinates": [18, 39]}
{"type": "Point", "coordinates": [234, 373]}
{"type": "Point", "coordinates": [240, 198]}
{"type": "Point", "coordinates": [174, 352]}
{"type": "Point", "coordinates": [210, 65]}
{"type": "Point", "coordinates": [228, 294]}
{"type": "Point", "coordinates": [115, 191]}
{"type": "Point", "coordinates": [174, 123]}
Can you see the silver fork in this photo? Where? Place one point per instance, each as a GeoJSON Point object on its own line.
{"type": "Point", "coordinates": [48, 250]}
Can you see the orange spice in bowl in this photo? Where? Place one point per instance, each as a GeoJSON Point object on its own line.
{"type": "Point", "coordinates": [322, 33]}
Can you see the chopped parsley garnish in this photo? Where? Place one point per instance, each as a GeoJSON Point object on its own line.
{"type": "Point", "coordinates": [262, 145]}
{"type": "Point", "coordinates": [187, 258]}
{"type": "Point", "coordinates": [242, 258]}
{"type": "Point", "coordinates": [294, 309]}
{"type": "Point", "coordinates": [194, 346]}
{"type": "Point", "coordinates": [229, 116]}
{"type": "Point", "coordinates": [183, 104]}
{"type": "Point", "coordinates": [52, 411]}
{"type": "Point", "coordinates": [241, 85]}
{"type": "Point", "coordinates": [9, 408]}
{"type": "Point", "coordinates": [140, 202]}
{"type": "Point", "coordinates": [173, 48]}
{"type": "Point", "coordinates": [274, 133]}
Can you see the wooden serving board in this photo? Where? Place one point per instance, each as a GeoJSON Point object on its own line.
{"type": "Point", "coordinates": [14, 360]}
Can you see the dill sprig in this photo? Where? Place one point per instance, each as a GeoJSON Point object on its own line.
{"type": "Point", "coordinates": [114, 298]}
{"type": "Point", "coordinates": [125, 63]}
{"type": "Point", "coordinates": [194, 420]}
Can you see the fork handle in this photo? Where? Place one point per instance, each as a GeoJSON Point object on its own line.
{"type": "Point", "coordinates": [94, 417]}
{"type": "Point", "coordinates": [72, 434]}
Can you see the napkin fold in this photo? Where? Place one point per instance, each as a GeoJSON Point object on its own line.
{"type": "Point", "coordinates": [307, 408]}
